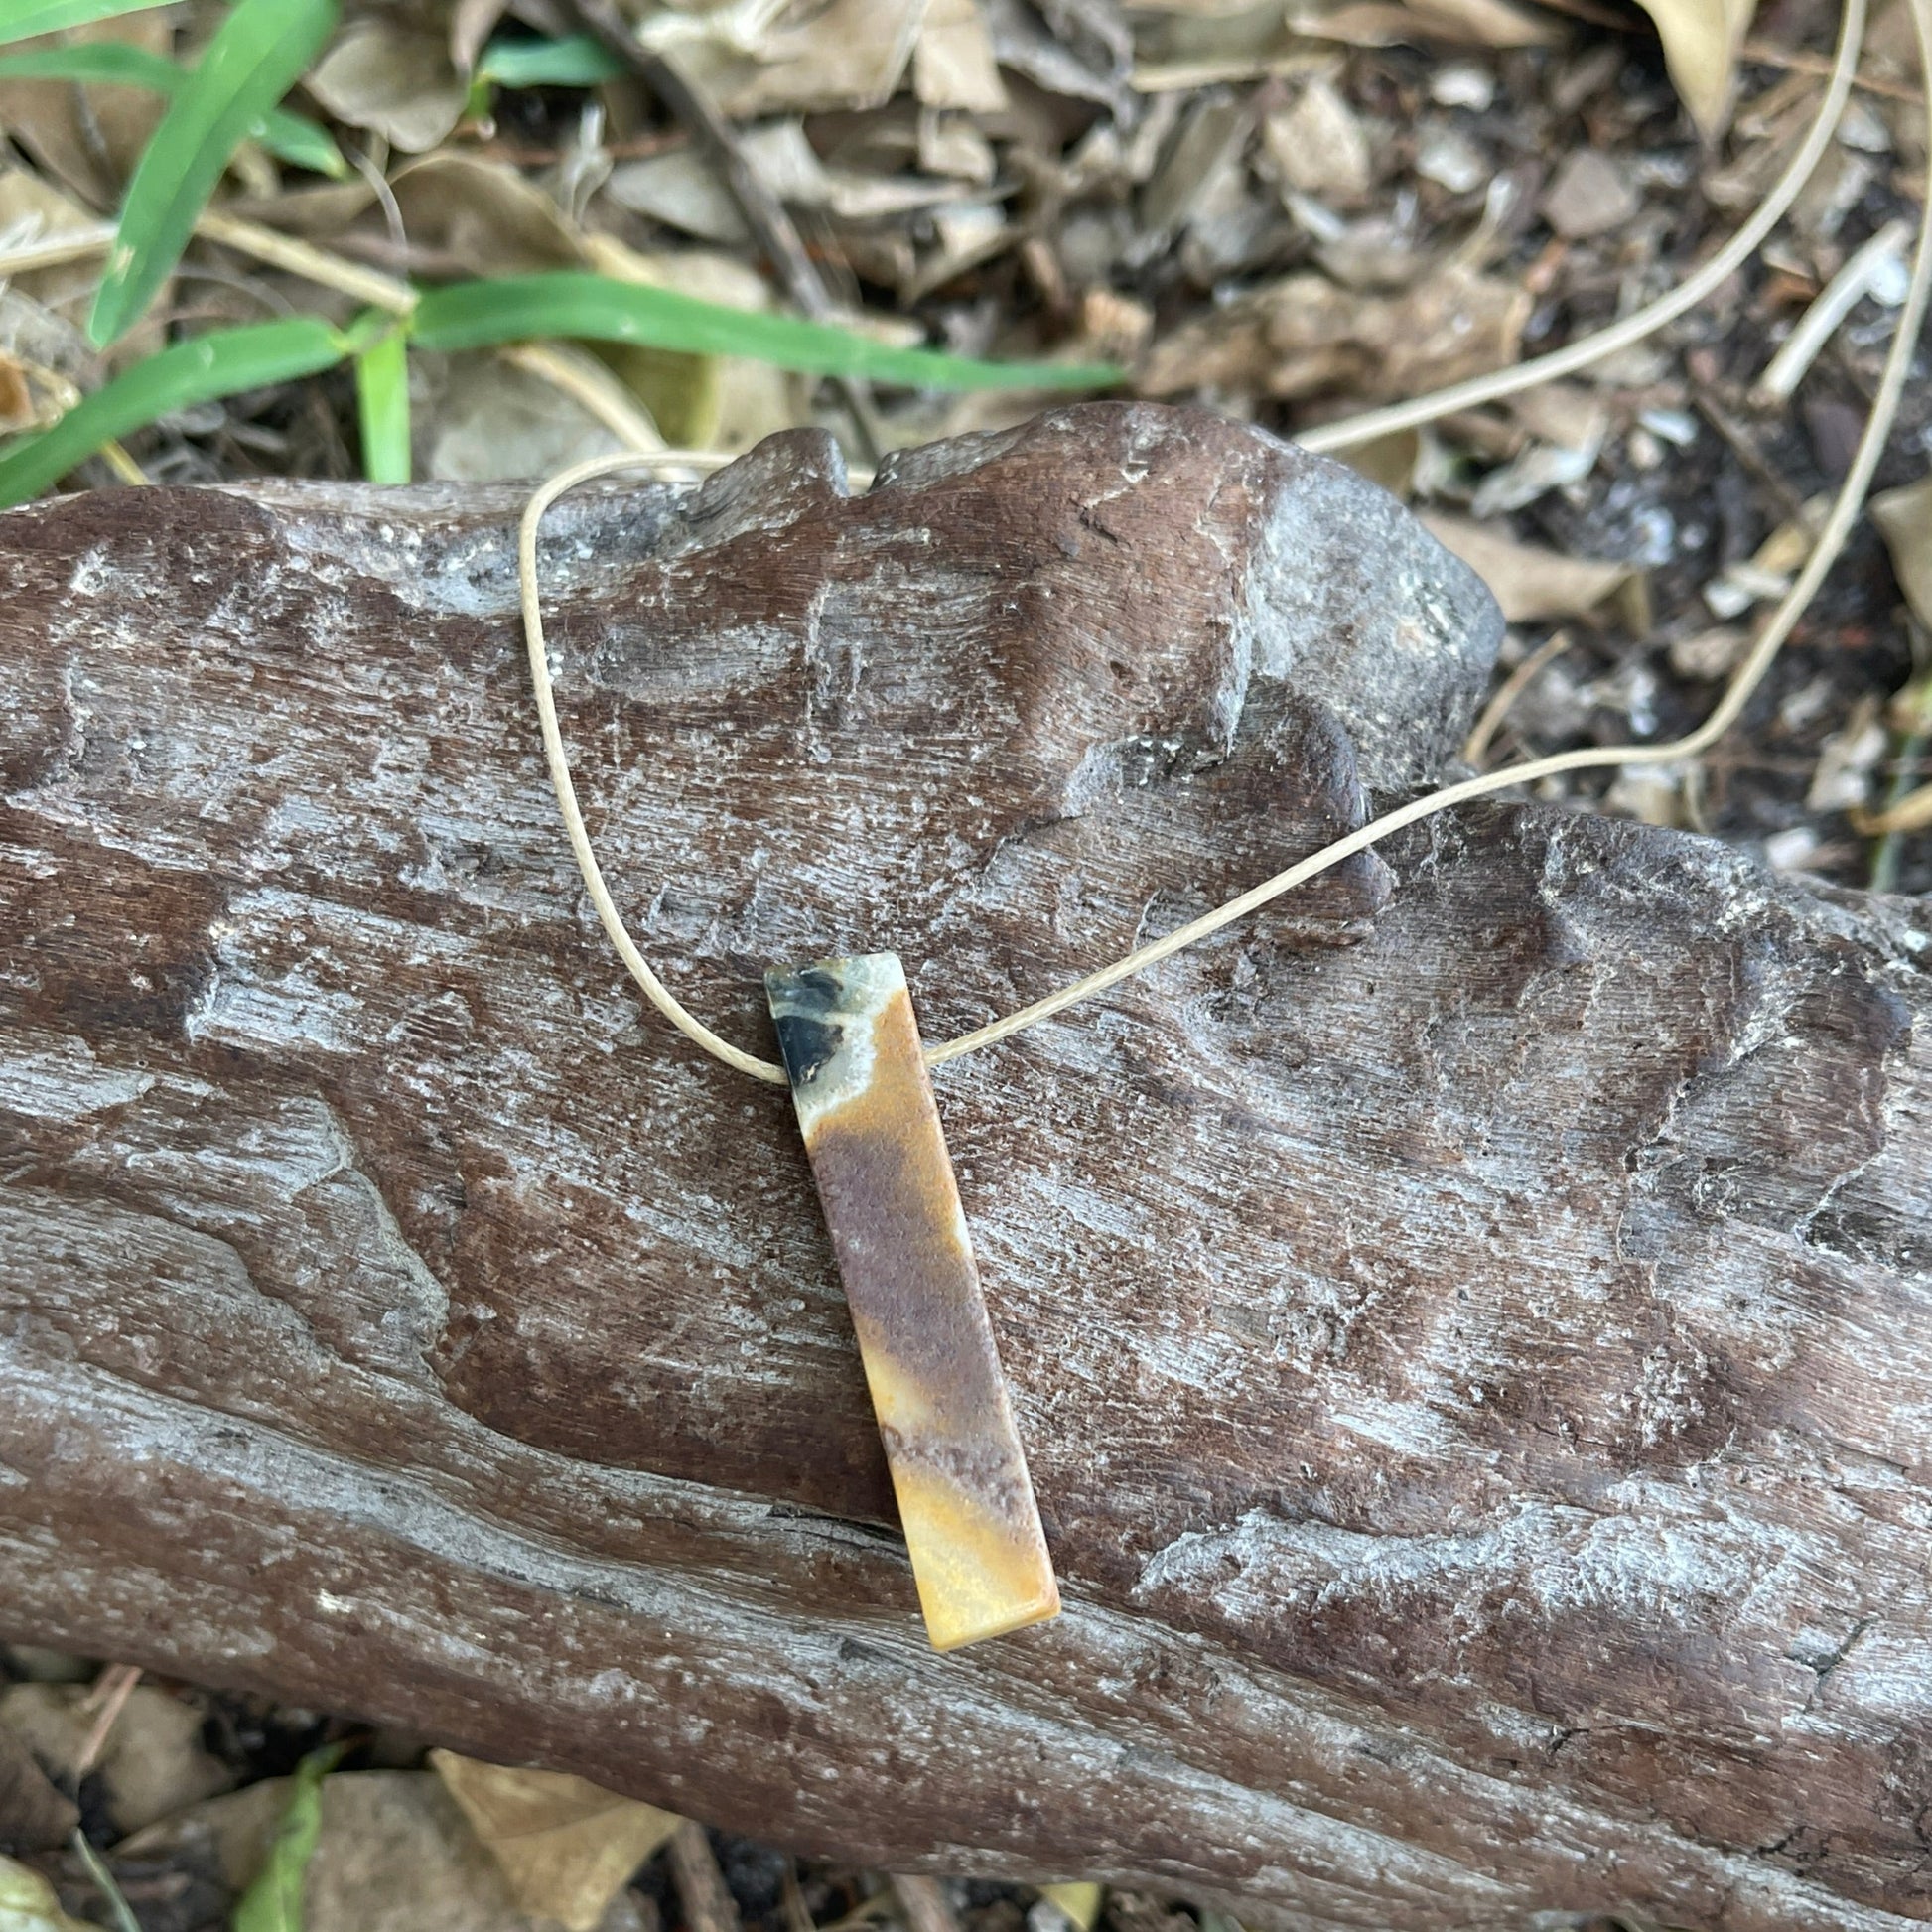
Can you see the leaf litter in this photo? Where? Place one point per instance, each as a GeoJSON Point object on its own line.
{"type": "Point", "coordinates": [1282, 212]}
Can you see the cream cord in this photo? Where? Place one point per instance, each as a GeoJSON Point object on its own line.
{"type": "Point", "coordinates": [1744, 680]}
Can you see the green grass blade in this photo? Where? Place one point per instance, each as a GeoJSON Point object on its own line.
{"type": "Point", "coordinates": [118, 1908]}
{"type": "Point", "coordinates": [383, 402]}
{"type": "Point", "coordinates": [596, 308]}
{"type": "Point", "coordinates": [259, 53]}
{"type": "Point", "coordinates": [220, 364]}
{"type": "Point", "coordinates": [273, 1903]}
{"type": "Point", "coordinates": [20, 20]}
{"type": "Point", "coordinates": [574, 60]}
{"type": "Point", "coordinates": [301, 142]}
{"type": "Point", "coordinates": [119, 63]}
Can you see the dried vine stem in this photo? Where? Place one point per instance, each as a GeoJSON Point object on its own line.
{"type": "Point", "coordinates": [1744, 680]}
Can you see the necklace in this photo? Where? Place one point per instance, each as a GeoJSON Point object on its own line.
{"type": "Point", "coordinates": [858, 1075]}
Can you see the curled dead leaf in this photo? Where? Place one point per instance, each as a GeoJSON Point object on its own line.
{"type": "Point", "coordinates": [1319, 146]}
{"type": "Point", "coordinates": [1701, 41]}
{"type": "Point", "coordinates": [1529, 582]}
{"type": "Point", "coordinates": [565, 1844]}
{"type": "Point", "coordinates": [1904, 520]}
{"type": "Point", "coordinates": [952, 59]}
{"type": "Point", "coordinates": [1304, 336]}
{"type": "Point", "coordinates": [484, 216]}
{"type": "Point", "coordinates": [849, 54]}
{"type": "Point", "coordinates": [395, 80]}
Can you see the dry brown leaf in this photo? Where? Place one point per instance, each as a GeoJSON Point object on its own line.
{"type": "Point", "coordinates": [680, 190]}
{"type": "Point", "coordinates": [1304, 335]}
{"type": "Point", "coordinates": [480, 419]}
{"type": "Point", "coordinates": [1700, 42]}
{"type": "Point", "coordinates": [397, 81]}
{"type": "Point", "coordinates": [1319, 147]}
{"type": "Point", "coordinates": [49, 361]}
{"type": "Point", "coordinates": [952, 145]}
{"type": "Point", "coordinates": [395, 1853]}
{"type": "Point", "coordinates": [471, 22]}
{"type": "Point", "coordinates": [1387, 461]}
{"type": "Point", "coordinates": [319, 213]}
{"type": "Point", "coordinates": [1176, 53]}
{"type": "Point", "coordinates": [30, 396]}
{"type": "Point", "coordinates": [1904, 520]}
{"type": "Point", "coordinates": [566, 1845]}
{"type": "Point", "coordinates": [1708, 656]}
{"type": "Point", "coordinates": [952, 59]}
{"type": "Point", "coordinates": [706, 403]}
{"type": "Point", "coordinates": [1385, 23]}
{"type": "Point", "coordinates": [87, 137]}
{"type": "Point", "coordinates": [1590, 195]}
{"type": "Point", "coordinates": [1527, 583]}
{"type": "Point", "coordinates": [849, 54]}
{"type": "Point", "coordinates": [152, 1762]}
{"type": "Point", "coordinates": [33, 1816]}
{"type": "Point", "coordinates": [1196, 9]}
{"type": "Point", "coordinates": [31, 210]}
{"type": "Point", "coordinates": [484, 216]}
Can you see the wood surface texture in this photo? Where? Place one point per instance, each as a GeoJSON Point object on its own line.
{"type": "Point", "coordinates": [1472, 1324]}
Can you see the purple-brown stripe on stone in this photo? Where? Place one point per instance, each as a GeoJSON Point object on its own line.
{"type": "Point", "coordinates": [872, 1132]}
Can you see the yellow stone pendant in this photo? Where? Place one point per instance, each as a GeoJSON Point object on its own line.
{"type": "Point", "coordinates": [872, 1132]}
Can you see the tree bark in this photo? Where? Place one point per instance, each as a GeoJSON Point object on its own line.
{"type": "Point", "coordinates": [1468, 1323]}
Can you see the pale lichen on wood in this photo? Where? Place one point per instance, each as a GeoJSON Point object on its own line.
{"type": "Point", "coordinates": [1468, 1322]}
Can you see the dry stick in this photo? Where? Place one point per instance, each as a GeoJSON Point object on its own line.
{"type": "Point", "coordinates": [1820, 323]}
{"type": "Point", "coordinates": [764, 214]}
{"type": "Point", "coordinates": [282, 251]}
{"type": "Point", "coordinates": [701, 1889]}
{"type": "Point", "coordinates": [1348, 430]}
{"type": "Point", "coordinates": [1764, 54]}
{"type": "Point", "coordinates": [1765, 473]}
{"type": "Point", "coordinates": [109, 1694]}
{"type": "Point", "coordinates": [303, 258]}
{"type": "Point", "coordinates": [924, 1903]}
{"type": "Point", "coordinates": [1744, 680]}
{"type": "Point", "coordinates": [1905, 809]}
{"type": "Point", "coordinates": [799, 1917]}
{"type": "Point", "coordinates": [115, 456]}
{"type": "Point", "coordinates": [592, 386]}
{"type": "Point", "coordinates": [1511, 688]}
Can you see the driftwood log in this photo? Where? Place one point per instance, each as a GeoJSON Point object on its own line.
{"type": "Point", "coordinates": [1471, 1324]}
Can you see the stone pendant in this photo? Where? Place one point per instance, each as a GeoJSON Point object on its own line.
{"type": "Point", "coordinates": [872, 1132]}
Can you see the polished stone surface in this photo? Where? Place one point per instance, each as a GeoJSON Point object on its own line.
{"type": "Point", "coordinates": [872, 1132]}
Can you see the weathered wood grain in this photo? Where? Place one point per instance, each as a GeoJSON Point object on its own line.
{"type": "Point", "coordinates": [1469, 1323]}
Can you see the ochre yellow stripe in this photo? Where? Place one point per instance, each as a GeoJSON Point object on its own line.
{"type": "Point", "coordinates": [975, 1578]}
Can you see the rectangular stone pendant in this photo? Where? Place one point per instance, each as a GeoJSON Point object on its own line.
{"type": "Point", "coordinates": [872, 1132]}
